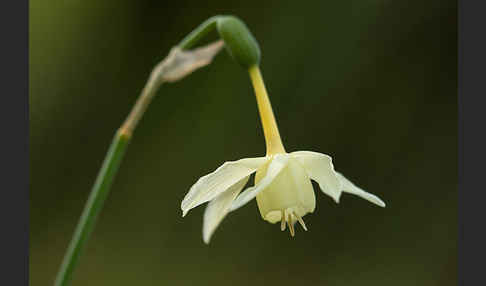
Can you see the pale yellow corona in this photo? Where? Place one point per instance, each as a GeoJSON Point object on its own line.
{"type": "Point", "coordinates": [288, 198]}
{"type": "Point", "coordinates": [282, 188]}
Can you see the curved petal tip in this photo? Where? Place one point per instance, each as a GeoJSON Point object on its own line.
{"type": "Point", "coordinates": [349, 187]}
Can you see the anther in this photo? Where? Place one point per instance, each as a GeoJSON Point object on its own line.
{"type": "Point", "coordinates": [291, 225]}
{"type": "Point", "coordinates": [301, 221]}
{"type": "Point", "coordinates": [282, 221]}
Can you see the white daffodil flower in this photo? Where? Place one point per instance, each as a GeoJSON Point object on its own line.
{"type": "Point", "coordinates": [282, 188]}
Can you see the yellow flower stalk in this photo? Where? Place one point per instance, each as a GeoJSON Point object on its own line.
{"type": "Point", "coordinates": [282, 188]}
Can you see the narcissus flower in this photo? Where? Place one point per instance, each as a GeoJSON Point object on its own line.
{"type": "Point", "coordinates": [282, 188]}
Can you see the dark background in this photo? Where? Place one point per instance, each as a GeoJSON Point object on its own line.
{"type": "Point", "coordinates": [371, 83]}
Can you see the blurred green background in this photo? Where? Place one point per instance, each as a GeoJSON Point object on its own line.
{"type": "Point", "coordinates": [371, 83]}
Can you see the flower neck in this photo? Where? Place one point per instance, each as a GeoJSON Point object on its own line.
{"type": "Point", "coordinates": [270, 129]}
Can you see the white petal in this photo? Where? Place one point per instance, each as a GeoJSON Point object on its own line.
{"type": "Point", "coordinates": [349, 187]}
{"type": "Point", "coordinates": [277, 165]}
{"type": "Point", "coordinates": [219, 207]}
{"type": "Point", "coordinates": [215, 183]}
{"type": "Point", "coordinates": [320, 169]}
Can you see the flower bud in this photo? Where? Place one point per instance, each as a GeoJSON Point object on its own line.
{"type": "Point", "coordinates": [239, 41]}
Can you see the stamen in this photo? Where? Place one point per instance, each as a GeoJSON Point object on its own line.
{"type": "Point", "coordinates": [282, 221]}
{"type": "Point", "coordinates": [301, 221]}
{"type": "Point", "coordinates": [291, 224]}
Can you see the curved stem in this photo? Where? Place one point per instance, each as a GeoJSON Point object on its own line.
{"type": "Point", "coordinates": [270, 128]}
{"type": "Point", "coordinates": [143, 101]}
{"type": "Point", "coordinates": [105, 177]}
{"type": "Point", "coordinates": [176, 66]}
{"type": "Point", "coordinates": [197, 34]}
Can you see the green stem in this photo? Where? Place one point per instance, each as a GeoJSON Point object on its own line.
{"type": "Point", "coordinates": [105, 177]}
{"type": "Point", "coordinates": [92, 208]}
{"type": "Point", "coordinates": [113, 158]}
{"type": "Point", "coordinates": [197, 34]}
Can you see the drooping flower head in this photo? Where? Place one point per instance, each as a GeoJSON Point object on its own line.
{"type": "Point", "coordinates": [282, 188]}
